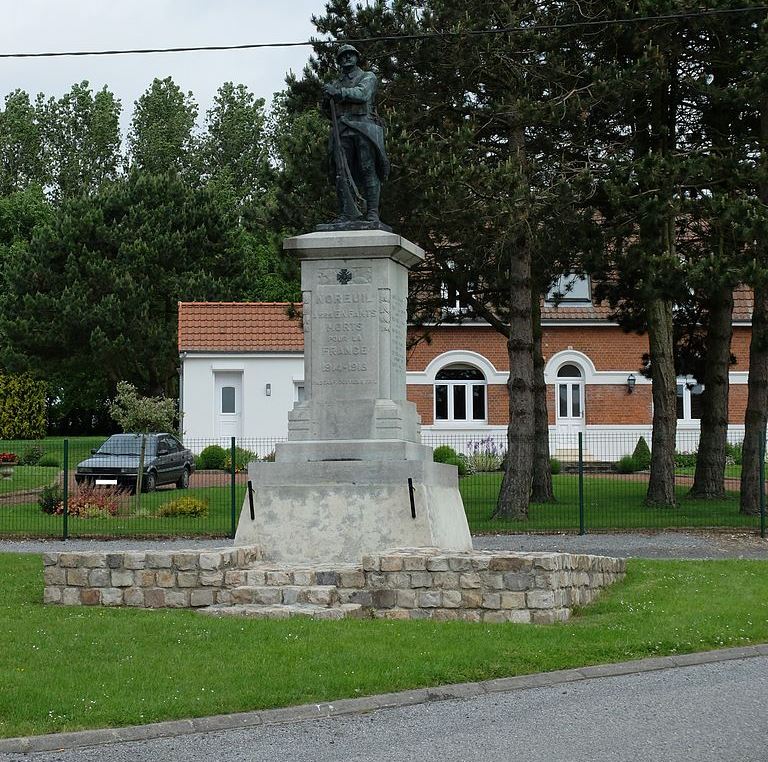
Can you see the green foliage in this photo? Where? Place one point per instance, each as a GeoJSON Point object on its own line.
{"type": "Point", "coordinates": [30, 455]}
{"type": "Point", "coordinates": [22, 407]}
{"type": "Point", "coordinates": [442, 453]}
{"type": "Point", "coordinates": [141, 415]}
{"type": "Point", "coordinates": [242, 458]}
{"type": "Point", "coordinates": [484, 455]}
{"type": "Point", "coordinates": [555, 466]}
{"type": "Point", "coordinates": [49, 460]}
{"type": "Point", "coordinates": [685, 459]}
{"type": "Point", "coordinates": [184, 506]}
{"type": "Point", "coordinates": [627, 465]}
{"type": "Point", "coordinates": [269, 457]}
{"type": "Point", "coordinates": [642, 454]}
{"type": "Point", "coordinates": [733, 453]}
{"type": "Point", "coordinates": [460, 463]}
{"type": "Point", "coordinates": [212, 457]}
{"type": "Point", "coordinates": [51, 499]}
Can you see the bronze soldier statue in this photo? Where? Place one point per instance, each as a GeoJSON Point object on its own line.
{"type": "Point", "coordinates": [359, 161]}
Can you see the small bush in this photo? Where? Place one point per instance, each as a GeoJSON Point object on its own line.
{"type": "Point", "coordinates": [443, 453]}
{"type": "Point", "coordinates": [627, 465]}
{"type": "Point", "coordinates": [733, 453]}
{"type": "Point", "coordinates": [555, 466]}
{"type": "Point", "coordinates": [30, 455]}
{"type": "Point", "coordinates": [642, 454]}
{"type": "Point", "coordinates": [96, 502]}
{"type": "Point", "coordinates": [242, 458]}
{"type": "Point", "coordinates": [459, 462]}
{"type": "Point", "coordinates": [49, 460]}
{"type": "Point", "coordinates": [269, 457]}
{"type": "Point", "coordinates": [685, 459]}
{"type": "Point", "coordinates": [51, 499]}
{"type": "Point", "coordinates": [184, 506]}
{"type": "Point", "coordinates": [212, 457]}
{"type": "Point", "coordinates": [485, 455]}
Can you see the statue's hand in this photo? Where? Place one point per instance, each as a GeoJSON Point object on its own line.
{"type": "Point", "coordinates": [332, 91]}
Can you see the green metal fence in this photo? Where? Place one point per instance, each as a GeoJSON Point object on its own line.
{"type": "Point", "coordinates": [597, 486]}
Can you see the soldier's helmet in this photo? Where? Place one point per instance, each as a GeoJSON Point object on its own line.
{"type": "Point", "coordinates": [346, 48]}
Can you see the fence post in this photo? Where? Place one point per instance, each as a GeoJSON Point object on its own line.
{"type": "Point", "coordinates": [65, 492]}
{"type": "Point", "coordinates": [762, 487]}
{"type": "Point", "coordinates": [582, 530]}
{"type": "Point", "coordinates": [233, 493]}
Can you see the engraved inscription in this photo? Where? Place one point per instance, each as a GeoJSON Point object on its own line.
{"type": "Point", "coordinates": [399, 321]}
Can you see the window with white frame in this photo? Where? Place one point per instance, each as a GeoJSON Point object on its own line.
{"type": "Point", "coordinates": [299, 391]}
{"type": "Point", "coordinates": [460, 394]}
{"type": "Point", "coordinates": [569, 289]}
{"type": "Point", "coordinates": [689, 399]}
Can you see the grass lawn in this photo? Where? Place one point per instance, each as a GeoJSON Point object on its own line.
{"type": "Point", "coordinates": [731, 472]}
{"type": "Point", "coordinates": [610, 502]}
{"type": "Point", "coordinates": [73, 668]}
{"type": "Point", "coordinates": [26, 519]}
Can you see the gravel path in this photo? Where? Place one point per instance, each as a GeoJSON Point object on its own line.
{"type": "Point", "coordinates": [627, 545]}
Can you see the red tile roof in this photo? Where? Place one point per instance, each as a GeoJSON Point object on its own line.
{"type": "Point", "coordinates": [239, 327]}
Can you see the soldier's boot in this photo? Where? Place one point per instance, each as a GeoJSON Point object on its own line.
{"type": "Point", "coordinates": [372, 194]}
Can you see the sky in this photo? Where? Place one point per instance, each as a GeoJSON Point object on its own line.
{"type": "Point", "coordinates": [58, 25]}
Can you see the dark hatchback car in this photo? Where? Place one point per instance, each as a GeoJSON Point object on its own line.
{"type": "Point", "coordinates": [116, 462]}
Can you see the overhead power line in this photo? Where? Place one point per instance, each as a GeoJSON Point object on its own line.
{"type": "Point", "coordinates": [402, 37]}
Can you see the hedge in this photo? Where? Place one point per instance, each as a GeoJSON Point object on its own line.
{"type": "Point", "coordinates": [22, 407]}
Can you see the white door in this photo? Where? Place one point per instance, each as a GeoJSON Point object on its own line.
{"type": "Point", "coordinates": [569, 406]}
{"type": "Point", "coordinates": [228, 404]}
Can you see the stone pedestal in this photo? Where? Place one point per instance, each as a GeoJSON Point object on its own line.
{"type": "Point", "coordinates": [339, 487]}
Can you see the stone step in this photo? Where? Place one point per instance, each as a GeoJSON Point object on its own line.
{"type": "Point", "coordinates": [285, 595]}
{"type": "Point", "coordinates": [252, 611]}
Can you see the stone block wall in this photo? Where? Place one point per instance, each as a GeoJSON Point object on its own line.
{"type": "Point", "coordinates": [422, 583]}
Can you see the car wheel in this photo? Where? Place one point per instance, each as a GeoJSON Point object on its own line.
{"type": "Point", "coordinates": [149, 483]}
{"type": "Point", "coordinates": [183, 481]}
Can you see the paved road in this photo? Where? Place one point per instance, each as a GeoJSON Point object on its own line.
{"type": "Point", "coordinates": [706, 712]}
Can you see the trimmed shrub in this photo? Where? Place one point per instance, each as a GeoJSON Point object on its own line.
{"type": "Point", "coordinates": [642, 454]}
{"type": "Point", "coordinates": [685, 459]}
{"type": "Point", "coordinates": [627, 465]}
{"type": "Point", "coordinates": [96, 502]}
{"type": "Point", "coordinates": [22, 407]}
{"type": "Point", "coordinates": [443, 453]}
{"type": "Point", "coordinates": [184, 506]}
{"type": "Point", "coordinates": [212, 457]}
{"type": "Point", "coordinates": [242, 458]}
{"type": "Point", "coordinates": [51, 500]}
{"type": "Point", "coordinates": [459, 462]}
{"type": "Point", "coordinates": [50, 460]}
{"type": "Point", "coordinates": [555, 466]}
{"type": "Point", "coordinates": [30, 455]}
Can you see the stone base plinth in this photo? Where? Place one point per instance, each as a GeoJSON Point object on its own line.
{"type": "Point", "coordinates": [338, 511]}
{"type": "Point", "coordinates": [405, 583]}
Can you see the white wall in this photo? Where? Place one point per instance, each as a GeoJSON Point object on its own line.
{"type": "Point", "coordinates": [262, 416]}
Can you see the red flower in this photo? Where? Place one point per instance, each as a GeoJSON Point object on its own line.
{"type": "Point", "coordinates": [8, 457]}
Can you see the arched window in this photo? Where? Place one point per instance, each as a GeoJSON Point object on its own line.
{"type": "Point", "coordinates": [460, 394]}
{"type": "Point", "coordinates": [569, 392]}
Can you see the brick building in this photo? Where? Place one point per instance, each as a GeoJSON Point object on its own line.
{"type": "Point", "coordinates": [242, 370]}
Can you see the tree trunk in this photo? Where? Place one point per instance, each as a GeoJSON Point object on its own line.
{"type": "Point", "coordinates": [515, 492]}
{"type": "Point", "coordinates": [140, 472]}
{"type": "Point", "coordinates": [757, 406]}
{"type": "Point", "coordinates": [541, 488]}
{"type": "Point", "coordinates": [661, 485]}
{"type": "Point", "coordinates": [709, 479]}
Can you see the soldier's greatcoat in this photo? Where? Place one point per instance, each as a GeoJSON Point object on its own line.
{"type": "Point", "coordinates": [357, 114]}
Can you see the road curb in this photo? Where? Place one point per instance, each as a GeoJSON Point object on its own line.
{"type": "Point", "coordinates": [172, 728]}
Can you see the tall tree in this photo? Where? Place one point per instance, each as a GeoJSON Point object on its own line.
{"type": "Point", "coordinates": [21, 145]}
{"type": "Point", "coordinates": [93, 299]}
{"type": "Point", "coordinates": [161, 135]}
{"type": "Point", "coordinates": [81, 132]}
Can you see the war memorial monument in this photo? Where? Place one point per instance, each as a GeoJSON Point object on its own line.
{"type": "Point", "coordinates": [353, 518]}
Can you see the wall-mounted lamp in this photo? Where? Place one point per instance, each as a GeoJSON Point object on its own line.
{"type": "Point", "coordinates": [268, 390]}
{"type": "Point", "coordinates": [631, 381]}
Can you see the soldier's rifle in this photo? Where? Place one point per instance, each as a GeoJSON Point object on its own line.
{"type": "Point", "coordinates": [344, 179]}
